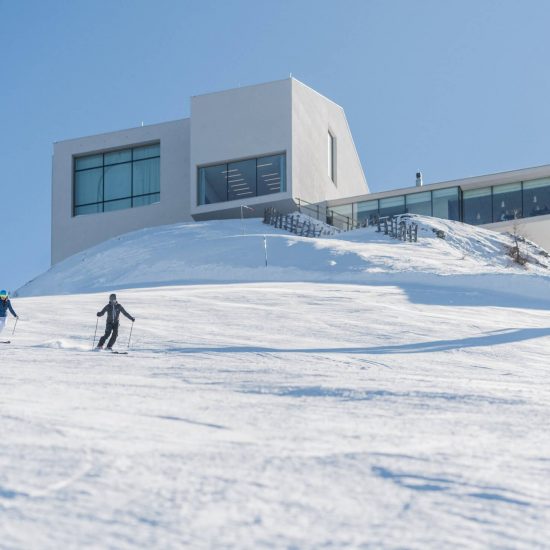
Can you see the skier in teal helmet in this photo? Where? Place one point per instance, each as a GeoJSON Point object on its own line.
{"type": "Point", "coordinates": [5, 306]}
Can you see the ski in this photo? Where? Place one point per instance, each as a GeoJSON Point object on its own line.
{"type": "Point", "coordinates": [120, 352]}
{"type": "Point", "coordinates": [5, 342]}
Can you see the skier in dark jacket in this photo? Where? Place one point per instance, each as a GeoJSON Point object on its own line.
{"type": "Point", "coordinates": [5, 306]}
{"type": "Point", "coordinates": [113, 310]}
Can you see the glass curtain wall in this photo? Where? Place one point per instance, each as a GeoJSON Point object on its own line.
{"type": "Point", "coordinates": [392, 206]}
{"type": "Point", "coordinates": [536, 197]}
{"type": "Point", "coordinates": [241, 180]}
{"type": "Point", "coordinates": [497, 203]}
{"type": "Point", "coordinates": [507, 202]}
{"type": "Point", "coordinates": [341, 216]}
{"type": "Point", "coordinates": [116, 180]}
{"type": "Point", "coordinates": [366, 212]}
{"type": "Point", "coordinates": [446, 203]}
{"type": "Point", "coordinates": [478, 206]}
{"type": "Point", "coordinates": [419, 203]}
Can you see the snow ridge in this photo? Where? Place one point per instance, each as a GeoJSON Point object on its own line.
{"type": "Point", "coordinates": [229, 251]}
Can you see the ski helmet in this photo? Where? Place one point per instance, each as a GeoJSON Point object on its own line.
{"type": "Point", "coordinates": [3, 294]}
{"type": "Point", "coordinates": [112, 298]}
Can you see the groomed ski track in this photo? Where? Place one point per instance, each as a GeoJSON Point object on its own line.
{"type": "Point", "coordinates": [278, 415]}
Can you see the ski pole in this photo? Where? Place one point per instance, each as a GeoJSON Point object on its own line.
{"type": "Point", "coordinates": [130, 337]}
{"type": "Point", "coordinates": [95, 333]}
{"type": "Point", "coordinates": [13, 331]}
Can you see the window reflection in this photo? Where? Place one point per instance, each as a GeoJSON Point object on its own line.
{"type": "Point", "coordinates": [446, 204]}
{"type": "Point", "coordinates": [392, 206]}
{"type": "Point", "coordinates": [241, 179]}
{"type": "Point", "coordinates": [478, 206]}
{"type": "Point", "coordinates": [507, 202]}
{"type": "Point", "coordinates": [270, 174]}
{"type": "Point", "coordinates": [213, 184]}
{"type": "Point", "coordinates": [341, 216]}
{"type": "Point", "coordinates": [419, 203]}
{"type": "Point", "coordinates": [116, 179]}
{"type": "Point", "coordinates": [367, 211]}
{"type": "Point", "coordinates": [536, 197]}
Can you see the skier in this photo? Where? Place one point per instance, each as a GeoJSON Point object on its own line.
{"type": "Point", "coordinates": [113, 310]}
{"type": "Point", "coordinates": [5, 305]}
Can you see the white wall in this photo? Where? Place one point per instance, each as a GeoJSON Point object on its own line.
{"type": "Point", "coordinates": [313, 115]}
{"type": "Point", "coordinates": [72, 234]}
{"type": "Point", "coordinates": [236, 124]}
{"type": "Point", "coordinates": [535, 229]}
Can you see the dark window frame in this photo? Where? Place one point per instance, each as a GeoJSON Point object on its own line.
{"type": "Point", "coordinates": [226, 164]}
{"type": "Point", "coordinates": [131, 197]}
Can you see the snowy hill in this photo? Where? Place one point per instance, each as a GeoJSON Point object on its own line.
{"type": "Point", "coordinates": [373, 397]}
{"type": "Point", "coordinates": [228, 251]}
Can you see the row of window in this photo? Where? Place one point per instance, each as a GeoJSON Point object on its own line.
{"type": "Point", "coordinates": [442, 203]}
{"type": "Point", "coordinates": [242, 179]}
{"type": "Point", "coordinates": [507, 202]}
{"type": "Point", "coordinates": [131, 177]}
{"type": "Point", "coordinates": [476, 206]}
{"type": "Point", "coordinates": [119, 179]}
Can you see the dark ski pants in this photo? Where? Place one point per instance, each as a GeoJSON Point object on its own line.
{"type": "Point", "coordinates": [109, 327]}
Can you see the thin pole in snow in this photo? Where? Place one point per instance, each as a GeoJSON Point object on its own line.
{"type": "Point", "coordinates": [265, 249]}
{"type": "Point", "coordinates": [13, 331]}
{"type": "Point", "coordinates": [130, 337]}
{"type": "Point", "coordinates": [242, 216]}
{"type": "Point", "coordinates": [95, 333]}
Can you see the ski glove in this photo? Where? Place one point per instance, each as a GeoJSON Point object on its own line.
{"type": "Point", "coordinates": [133, 319]}
{"type": "Point", "coordinates": [99, 313]}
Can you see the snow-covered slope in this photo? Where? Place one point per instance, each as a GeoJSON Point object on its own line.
{"type": "Point", "coordinates": [228, 251]}
{"type": "Point", "coordinates": [278, 415]}
{"type": "Point", "coordinates": [359, 392]}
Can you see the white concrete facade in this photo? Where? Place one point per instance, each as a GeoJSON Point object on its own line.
{"type": "Point", "coordinates": [281, 117]}
{"type": "Point", "coordinates": [71, 234]}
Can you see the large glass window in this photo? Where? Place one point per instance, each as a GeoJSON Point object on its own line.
{"type": "Point", "coordinates": [478, 206]}
{"type": "Point", "coordinates": [146, 177]}
{"type": "Point", "coordinates": [392, 206]}
{"type": "Point", "coordinates": [241, 180]}
{"type": "Point", "coordinates": [341, 216]}
{"type": "Point", "coordinates": [536, 197]}
{"type": "Point", "coordinates": [419, 203]}
{"type": "Point", "coordinates": [507, 202]}
{"type": "Point", "coordinates": [366, 211]}
{"type": "Point", "coordinates": [270, 174]}
{"type": "Point", "coordinates": [213, 184]}
{"type": "Point", "coordinates": [116, 180]}
{"type": "Point", "coordinates": [88, 187]}
{"type": "Point", "coordinates": [446, 204]}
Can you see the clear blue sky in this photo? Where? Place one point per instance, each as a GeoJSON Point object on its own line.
{"type": "Point", "coordinates": [454, 87]}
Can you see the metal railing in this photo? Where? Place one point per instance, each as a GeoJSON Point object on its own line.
{"type": "Point", "coordinates": [329, 216]}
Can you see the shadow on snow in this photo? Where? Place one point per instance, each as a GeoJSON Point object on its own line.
{"type": "Point", "coordinates": [494, 338]}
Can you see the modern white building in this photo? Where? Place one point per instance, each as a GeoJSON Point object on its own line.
{"type": "Point", "coordinates": [271, 144]}
{"type": "Point", "coordinates": [279, 144]}
{"type": "Point", "coordinates": [515, 202]}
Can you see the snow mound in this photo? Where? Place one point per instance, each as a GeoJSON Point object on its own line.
{"type": "Point", "coordinates": [231, 251]}
{"type": "Point", "coordinates": [62, 344]}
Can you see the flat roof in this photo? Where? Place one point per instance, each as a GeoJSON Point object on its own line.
{"type": "Point", "coordinates": [474, 182]}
